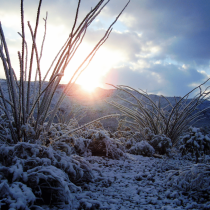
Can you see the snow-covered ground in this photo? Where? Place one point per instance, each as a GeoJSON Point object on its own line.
{"type": "Point", "coordinates": [38, 177]}
{"type": "Point", "coordinates": [136, 182]}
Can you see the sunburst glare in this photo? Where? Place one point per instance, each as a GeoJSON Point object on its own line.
{"type": "Point", "coordinates": [98, 67]}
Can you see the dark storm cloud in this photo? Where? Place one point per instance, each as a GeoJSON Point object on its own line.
{"type": "Point", "coordinates": [186, 21]}
{"type": "Point", "coordinates": [193, 48]}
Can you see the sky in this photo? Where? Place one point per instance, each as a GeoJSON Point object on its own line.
{"type": "Point", "coordinates": [161, 46]}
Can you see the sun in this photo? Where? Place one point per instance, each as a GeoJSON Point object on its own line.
{"type": "Point", "coordinates": [93, 75]}
{"type": "Point", "coordinates": [88, 87]}
{"type": "Point", "coordinates": [89, 81]}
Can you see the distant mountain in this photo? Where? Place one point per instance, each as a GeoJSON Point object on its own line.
{"type": "Point", "coordinates": [95, 106]}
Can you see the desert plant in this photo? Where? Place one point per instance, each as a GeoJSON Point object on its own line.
{"type": "Point", "coordinates": [85, 126]}
{"type": "Point", "coordinates": [159, 142]}
{"type": "Point", "coordinates": [32, 176]}
{"type": "Point", "coordinates": [194, 179]}
{"type": "Point", "coordinates": [142, 148]}
{"type": "Point", "coordinates": [102, 144]}
{"type": "Point", "coordinates": [96, 142]}
{"type": "Point", "coordinates": [170, 120]}
{"type": "Point", "coordinates": [19, 107]}
{"type": "Point", "coordinates": [195, 143]}
{"type": "Point", "coordinates": [74, 112]}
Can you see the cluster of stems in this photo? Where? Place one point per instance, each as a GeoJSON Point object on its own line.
{"type": "Point", "coordinates": [30, 99]}
{"type": "Point", "coordinates": [170, 120]}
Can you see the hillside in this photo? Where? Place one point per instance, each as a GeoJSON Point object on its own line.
{"type": "Point", "coordinates": [96, 106]}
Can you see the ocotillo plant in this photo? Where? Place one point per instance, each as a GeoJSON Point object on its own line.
{"type": "Point", "coordinates": [23, 111]}
{"type": "Point", "coordinates": [170, 120]}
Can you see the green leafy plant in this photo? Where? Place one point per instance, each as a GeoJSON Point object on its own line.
{"type": "Point", "coordinates": [20, 109]}
{"type": "Point", "coordinates": [170, 120]}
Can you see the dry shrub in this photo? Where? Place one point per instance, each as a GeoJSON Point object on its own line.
{"type": "Point", "coordinates": [98, 143]}
{"type": "Point", "coordinates": [51, 176]}
{"type": "Point", "coordinates": [102, 144]}
{"type": "Point", "coordinates": [160, 143]}
{"type": "Point", "coordinates": [194, 180]}
{"type": "Point", "coordinates": [163, 116]}
{"type": "Point", "coordinates": [195, 143]}
{"type": "Point", "coordinates": [142, 148]}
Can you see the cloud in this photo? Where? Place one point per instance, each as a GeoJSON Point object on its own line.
{"type": "Point", "coordinates": [191, 49]}
{"type": "Point", "coordinates": [169, 80]}
{"type": "Point", "coordinates": [180, 27]}
{"type": "Point", "coordinates": [126, 43]}
{"type": "Point", "coordinates": [161, 46]}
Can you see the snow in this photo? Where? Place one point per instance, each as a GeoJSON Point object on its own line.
{"type": "Point", "coordinates": [130, 182]}
{"type": "Point", "coordinates": [18, 195]}
{"type": "Point", "coordinates": [136, 182]}
{"type": "Point", "coordinates": [142, 148]}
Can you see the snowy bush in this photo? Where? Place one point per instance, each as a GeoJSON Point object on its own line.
{"type": "Point", "coordinates": [148, 134]}
{"type": "Point", "coordinates": [138, 136]}
{"type": "Point", "coordinates": [128, 138]}
{"type": "Point", "coordinates": [142, 148]}
{"type": "Point", "coordinates": [47, 175]}
{"type": "Point", "coordinates": [66, 146]}
{"type": "Point", "coordinates": [15, 195]}
{"type": "Point", "coordinates": [194, 180]}
{"type": "Point", "coordinates": [133, 141]}
{"type": "Point", "coordinates": [98, 143]}
{"type": "Point", "coordinates": [195, 143]}
{"type": "Point", "coordinates": [81, 147]}
{"type": "Point", "coordinates": [160, 143]}
{"type": "Point", "coordinates": [124, 134]}
{"type": "Point", "coordinates": [56, 130]}
{"type": "Point", "coordinates": [128, 143]}
{"type": "Point", "coordinates": [102, 144]}
{"type": "Point", "coordinates": [86, 142]}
